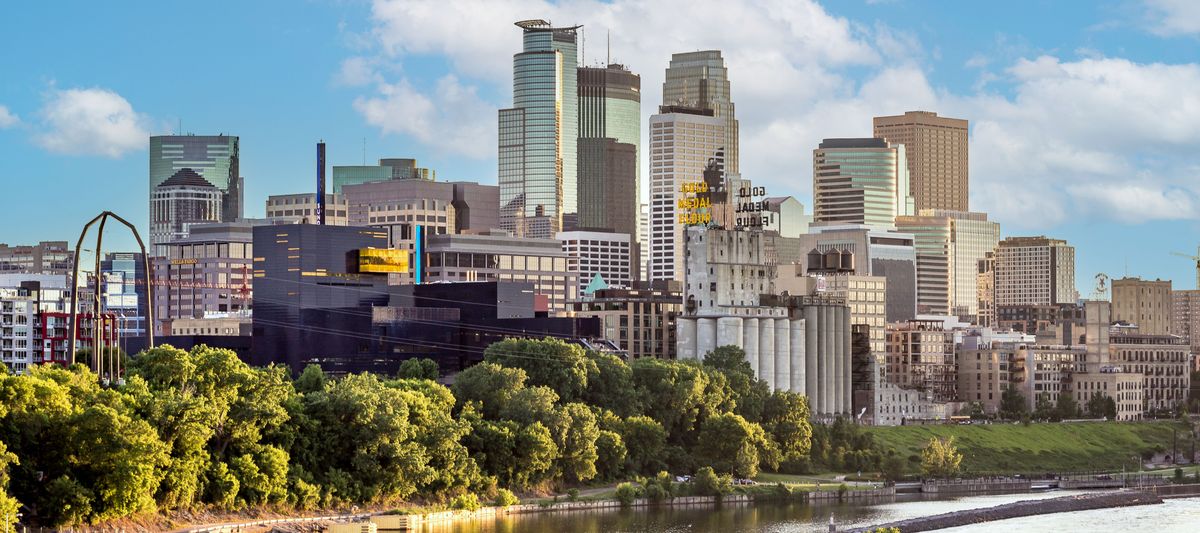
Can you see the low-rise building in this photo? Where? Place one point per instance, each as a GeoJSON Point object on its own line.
{"type": "Point", "coordinates": [1125, 388]}
{"type": "Point", "coordinates": [920, 355]}
{"type": "Point", "coordinates": [611, 256]}
{"type": "Point", "coordinates": [1164, 361]}
{"type": "Point", "coordinates": [209, 271]}
{"type": "Point", "coordinates": [302, 209]}
{"type": "Point", "coordinates": [46, 257]}
{"type": "Point", "coordinates": [640, 319]}
{"type": "Point", "coordinates": [501, 257]}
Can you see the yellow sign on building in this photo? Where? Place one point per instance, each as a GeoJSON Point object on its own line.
{"type": "Point", "coordinates": [382, 260]}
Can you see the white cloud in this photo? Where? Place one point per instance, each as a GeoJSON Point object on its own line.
{"type": "Point", "coordinates": [357, 72]}
{"type": "Point", "coordinates": [451, 119]}
{"type": "Point", "coordinates": [1097, 137]}
{"type": "Point", "coordinates": [91, 121]}
{"type": "Point", "coordinates": [8, 119]}
{"type": "Point", "coordinates": [1170, 18]}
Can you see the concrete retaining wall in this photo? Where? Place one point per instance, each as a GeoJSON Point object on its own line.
{"type": "Point", "coordinates": [976, 485]}
{"type": "Point", "coordinates": [1019, 509]}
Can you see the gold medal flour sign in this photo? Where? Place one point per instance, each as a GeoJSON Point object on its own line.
{"type": "Point", "coordinates": [694, 207]}
{"type": "Point", "coordinates": [747, 210]}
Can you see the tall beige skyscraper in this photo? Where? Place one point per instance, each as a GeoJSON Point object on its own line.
{"type": "Point", "coordinates": [1035, 271]}
{"type": "Point", "coordinates": [937, 156]}
{"type": "Point", "coordinates": [682, 142]}
{"type": "Point", "coordinates": [700, 79]}
{"type": "Point", "coordinates": [949, 246]}
{"type": "Point", "coordinates": [1147, 303]}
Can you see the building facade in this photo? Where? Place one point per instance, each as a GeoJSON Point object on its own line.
{"type": "Point", "coordinates": [682, 143]}
{"type": "Point", "coordinates": [46, 257]}
{"type": "Point", "coordinates": [949, 246]}
{"type": "Point", "coordinates": [860, 181]}
{"type": "Point", "coordinates": [872, 252]}
{"type": "Point", "coordinates": [1185, 316]}
{"type": "Point", "coordinates": [123, 288]}
{"type": "Point", "coordinates": [701, 80]}
{"type": "Point", "coordinates": [182, 201]}
{"type": "Point", "coordinates": [640, 319]}
{"type": "Point", "coordinates": [920, 355]}
{"type": "Point", "coordinates": [1145, 303]}
{"type": "Point", "coordinates": [396, 168]}
{"type": "Point", "coordinates": [301, 208]}
{"type": "Point", "coordinates": [936, 154]}
{"type": "Point", "coordinates": [539, 133]}
{"type": "Point", "coordinates": [542, 262]}
{"type": "Point", "coordinates": [1035, 271]}
{"type": "Point", "coordinates": [591, 254]}
{"type": "Point", "coordinates": [1164, 361]}
{"type": "Point", "coordinates": [609, 144]}
{"type": "Point", "coordinates": [209, 271]}
{"type": "Point", "coordinates": [214, 158]}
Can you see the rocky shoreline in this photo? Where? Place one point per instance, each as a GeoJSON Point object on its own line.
{"type": "Point", "coordinates": [1080, 502]}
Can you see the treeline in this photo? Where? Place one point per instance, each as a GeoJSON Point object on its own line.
{"type": "Point", "coordinates": [202, 429]}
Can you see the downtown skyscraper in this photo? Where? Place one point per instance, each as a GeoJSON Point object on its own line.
{"type": "Point", "coordinates": [701, 80]}
{"type": "Point", "coordinates": [539, 134]}
{"type": "Point", "coordinates": [936, 152]}
{"type": "Point", "coordinates": [197, 163]}
{"type": "Point", "coordinates": [609, 145]}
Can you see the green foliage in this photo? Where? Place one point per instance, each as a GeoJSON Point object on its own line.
{"type": "Point", "coordinates": [549, 362]}
{"type": "Point", "coordinates": [465, 502]}
{"type": "Point", "coordinates": [505, 498]}
{"type": "Point", "coordinates": [732, 445]}
{"type": "Point", "coordinates": [1013, 405]}
{"type": "Point", "coordinates": [572, 494]}
{"type": "Point", "coordinates": [610, 455]}
{"type": "Point", "coordinates": [627, 493]}
{"type": "Point", "coordinates": [940, 458]}
{"type": "Point", "coordinates": [199, 429]}
{"type": "Point", "coordinates": [1102, 405]}
{"type": "Point", "coordinates": [418, 368]}
{"type": "Point", "coordinates": [645, 443]}
{"type": "Point", "coordinates": [1066, 407]}
{"type": "Point", "coordinates": [1044, 409]}
{"type": "Point", "coordinates": [706, 482]}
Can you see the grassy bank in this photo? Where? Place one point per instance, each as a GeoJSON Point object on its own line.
{"type": "Point", "coordinates": [1037, 447]}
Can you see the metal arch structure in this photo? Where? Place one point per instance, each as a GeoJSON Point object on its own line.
{"type": "Point", "coordinates": [96, 317]}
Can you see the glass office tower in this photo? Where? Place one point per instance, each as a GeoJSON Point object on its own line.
{"type": "Point", "coordinates": [213, 157]}
{"type": "Point", "coordinates": [539, 134]}
{"type": "Point", "coordinates": [609, 146]}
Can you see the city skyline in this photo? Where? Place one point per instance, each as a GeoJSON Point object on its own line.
{"type": "Point", "coordinates": [73, 120]}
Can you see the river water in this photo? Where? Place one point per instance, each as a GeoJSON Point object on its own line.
{"type": "Point", "coordinates": [1182, 515]}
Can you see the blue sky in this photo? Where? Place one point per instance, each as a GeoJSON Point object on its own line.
{"type": "Point", "coordinates": [1085, 115]}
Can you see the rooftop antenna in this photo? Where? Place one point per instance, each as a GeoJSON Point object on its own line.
{"type": "Point", "coordinates": [608, 51]}
{"type": "Point", "coordinates": [583, 46]}
{"type": "Point", "coordinates": [180, 130]}
{"type": "Point", "coordinates": [364, 151]}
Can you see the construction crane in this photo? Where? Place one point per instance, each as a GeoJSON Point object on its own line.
{"type": "Point", "coordinates": [1195, 258]}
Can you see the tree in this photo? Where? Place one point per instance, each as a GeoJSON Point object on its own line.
{"type": "Point", "coordinates": [730, 444]}
{"type": "Point", "coordinates": [1066, 407]}
{"type": "Point", "coordinates": [1012, 404]}
{"type": "Point", "coordinates": [749, 393]}
{"type": "Point", "coordinates": [940, 458]}
{"type": "Point", "coordinates": [8, 505]}
{"type": "Point", "coordinates": [312, 379]}
{"type": "Point", "coordinates": [645, 440]}
{"type": "Point", "coordinates": [611, 386]}
{"type": "Point", "coordinates": [418, 368]}
{"type": "Point", "coordinates": [575, 431]}
{"type": "Point", "coordinates": [786, 419]}
{"type": "Point", "coordinates": [610, 456]}
{"type": "Point", "coordinates": [1044, 409]}
{"type": "Point", "coordinates": [550, 362]}
{"type": "Point", "coordinates": [706, 482]}
{"type": "Point", "coordinates": [679, 395]}
{"type": "Point", "coordinates": [490, 385]}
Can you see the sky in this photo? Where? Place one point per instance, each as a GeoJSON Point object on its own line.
{"type": "Point", "coordinates": [1085, 116]}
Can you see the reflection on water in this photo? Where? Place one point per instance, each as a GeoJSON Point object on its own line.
{"type": "Point", "coordinates": [796, 517]}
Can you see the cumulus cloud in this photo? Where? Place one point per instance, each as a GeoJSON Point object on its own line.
{"type": "Point", "coordinates": [452, 118]}
{"type": "Point", "coordinates": [1093, 136]}
{"type": "Point", "coordinates": [8, 119]}
{"type": "Point", "coordinates": [1170, 18]}
{"type": "Point", "coordinates": [91, 121]}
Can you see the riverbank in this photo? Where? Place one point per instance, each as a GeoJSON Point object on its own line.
{"type": "Point", "coordinates": [1081, 502]}
{"type": "Point", "coordinates": [1039, 447]}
